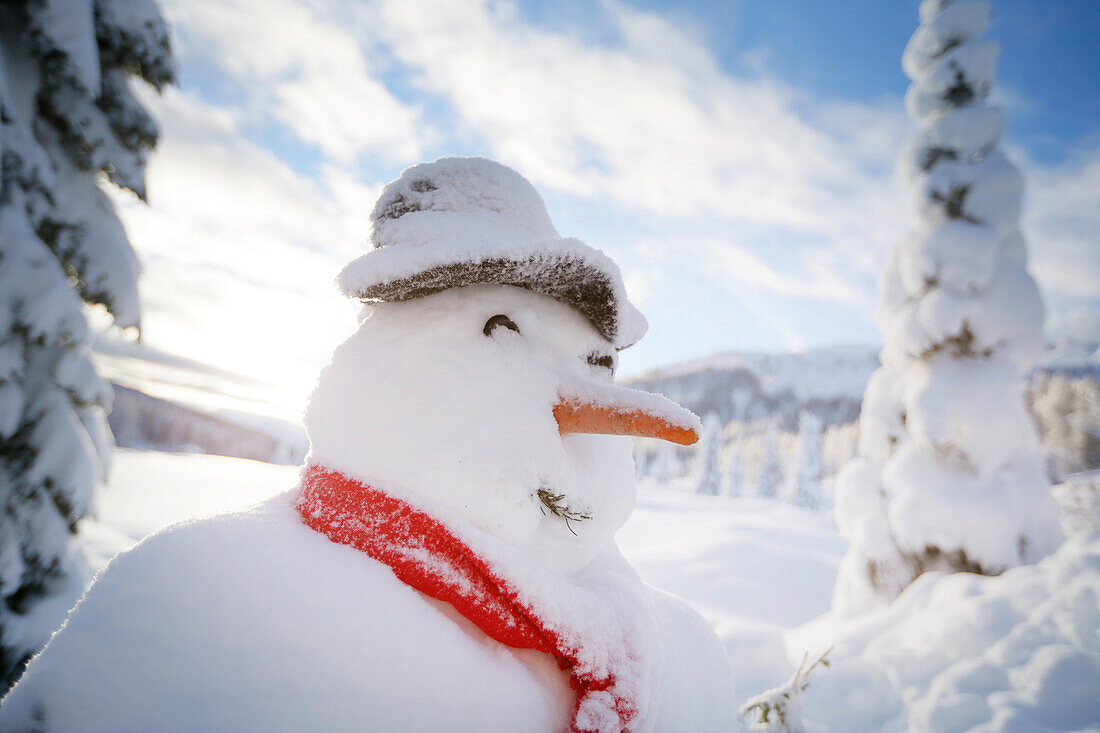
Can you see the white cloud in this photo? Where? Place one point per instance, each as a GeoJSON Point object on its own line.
{"type": "Point", "coordinates": [1062, 223]}
{"type": "Point", "coordinates": [297, 63]}
{"type": "Point", "coordinates": [815, 279]}
{"type": "Point", "coordinates": [768, 208]}
{"type": "Point", "coordinates": [652, 122]}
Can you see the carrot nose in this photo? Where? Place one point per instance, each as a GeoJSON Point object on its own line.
{"type": "Point", "coordinates": [583, 416]}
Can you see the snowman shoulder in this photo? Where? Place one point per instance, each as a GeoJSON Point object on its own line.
{"type": "Point", "coordinates": [134, 624]}
{"type": "Point", "coordinates": [696, 680]}
{"type": "Point", "coordinates": [252, 621]}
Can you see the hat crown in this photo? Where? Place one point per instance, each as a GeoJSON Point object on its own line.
{"type": "Point", "coordinates": [469, 221]}
{"type": "Point", "coordinates": [457, 199]}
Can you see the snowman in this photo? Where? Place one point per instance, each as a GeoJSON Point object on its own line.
{"type": "Point", "coordinates": [448, 560]}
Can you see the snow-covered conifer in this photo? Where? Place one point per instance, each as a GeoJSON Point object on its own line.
{"type": "Point", "coordinates": [1068, 411]}
{"type": "Point", "coordinates": [67, 118]}
{"type": "Point", "coordinates": [769, 474]}
{"type": "Point", "coordinates": [950, 475]}
{"type": "Point", "coordinates": [804, 475]}
{"type": "Point", "coordinates": [708, 473]}
{"type": "Point", "coordinates": [735, 471]}
{"type": "Point", "coordinates": [664, 468]}
{"type": "Point", "coordinates": [839, 444]}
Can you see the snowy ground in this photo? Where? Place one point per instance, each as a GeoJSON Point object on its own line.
{"type": "Point", "coordinates": [149, 491]}
{"type": "Point", "coordinates": [1022, 650]}
{"type": "Point", "coordinates": [754, 568]}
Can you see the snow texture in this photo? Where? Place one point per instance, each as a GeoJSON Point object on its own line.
{"type": "Point", "coordinates": [466, 221]}
{"type": "Point", "coordinates": [66, 117]}
{"type": "Point", "coordinates": [753, 568]}
{"type": "Point", "coordinates": [1020, 651]}
{"type": "Point", "coordinates": [356, 648]}
{"type": "Point", "coordinates": [950, 474]}
{"type": "Point", "coordinates": [759, 571]}
{"type": "Point", "coordinates": [446, 401]}
{"type": "Point", "coordinates": [377, 409]}
{"type": "Point", "coordinates": [599, 619]}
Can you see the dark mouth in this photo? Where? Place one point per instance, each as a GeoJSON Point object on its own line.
{"type": "Point", "coordinates": [559, 507]}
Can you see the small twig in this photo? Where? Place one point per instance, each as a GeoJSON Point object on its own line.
{"type": "Point", "coordinates": [771, 707]}
{"type": "Point", "coordinates": [557, 506]}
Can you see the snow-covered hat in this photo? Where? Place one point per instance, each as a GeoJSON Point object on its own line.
{"type": "Point", "coordinates": [468, 221]}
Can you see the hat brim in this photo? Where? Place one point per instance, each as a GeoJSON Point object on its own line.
{"type": "Point", "coordinates": [570, 272]}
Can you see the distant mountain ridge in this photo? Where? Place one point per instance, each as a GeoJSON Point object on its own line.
{"type": "Point", "coordinates": [144, 422]}
{"type": "Point", "coordinates": [168, 402]}
{"type": "Point", "coordinates": [746, 387]}
{"type": "Point", "coordinates": [827, 381]}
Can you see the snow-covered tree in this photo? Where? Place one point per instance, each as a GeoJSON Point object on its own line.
{"type": "Point", "coordinates": [1068, 411]}
{"type": "Point", "coordinates": [804, 475]}
{"type": "Point", "coordinates": [68, 120]}
{"type": "Point", "coordinates": [735, 471]}
{"type": "Point", "coordinates": [708, 472]}
{"type": "Point", "coordinates": [839, 444]}
{"type": "Point", "coordinates": [950, 475]}
{"type": "Point", "coordinates": [769, 474]}
{"type": "Point", "coordinates": [664, 464]}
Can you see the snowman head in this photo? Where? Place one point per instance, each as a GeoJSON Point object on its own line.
{"type": "Point", "coordinates": [483, 376]}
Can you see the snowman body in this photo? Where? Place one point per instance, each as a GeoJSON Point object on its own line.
{"type": "Point", "coordinates": [253, 622]}
{"type": "Point", "coordinates": [475, 390]}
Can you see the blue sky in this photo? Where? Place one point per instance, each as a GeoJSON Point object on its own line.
{"type": "Point", "coordinates": [735, 158]}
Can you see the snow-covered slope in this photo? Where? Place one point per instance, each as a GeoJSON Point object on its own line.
{"type": "Point", "coordinates": [754, 568]}
{"type": "Point", "coordinates": [169, 402]}
{"type": "Point", "coordinates": [150, 490]}
{"type": "Point", "coordinates": [142, 421]}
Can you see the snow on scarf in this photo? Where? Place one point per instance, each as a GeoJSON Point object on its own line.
{"type": "Point", "coordinates": [596, 623]}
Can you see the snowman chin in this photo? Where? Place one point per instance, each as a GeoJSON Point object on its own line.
{"type": "Point", "coordinates": [604, 489]}
{"type": "Point", "coordinates": [421, 401]}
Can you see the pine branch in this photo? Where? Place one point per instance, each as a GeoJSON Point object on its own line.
{"type": "Point", "coordinates": [559, 508]}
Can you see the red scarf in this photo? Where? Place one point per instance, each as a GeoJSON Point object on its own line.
{"type": "Point", "coordinates": [428, 556]}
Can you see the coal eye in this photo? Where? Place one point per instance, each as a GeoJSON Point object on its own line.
{"type": "Point", "coordinates": [606, 361]}
{"type": "Point", "coordinates": [499, 320]}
